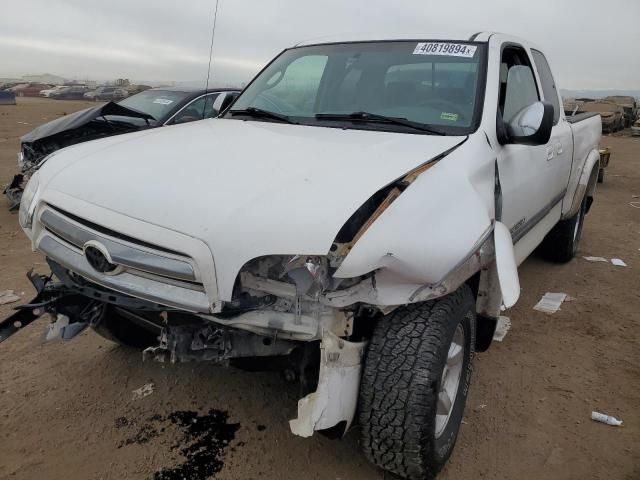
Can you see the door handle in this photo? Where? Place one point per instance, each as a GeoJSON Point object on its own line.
{"type": "Point", "coordinates": [559, 148]}
{"type": "Point", "coordinates": [549, 153]}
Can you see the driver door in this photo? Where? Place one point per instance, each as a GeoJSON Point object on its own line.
{"type": "Point", "coordinates": [526, 179]}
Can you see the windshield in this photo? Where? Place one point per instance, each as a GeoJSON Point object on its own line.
{"type": "Point", "coordinates": [156, 103]}
{"type": "Point", "coordinates": [427, 82]}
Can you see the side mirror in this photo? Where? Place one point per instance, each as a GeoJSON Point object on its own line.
{"type": "Point", "coordinates": [532, 125]}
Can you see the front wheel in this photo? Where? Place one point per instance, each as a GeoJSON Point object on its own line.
{"type": "Point", "coordinates": [415, 383]}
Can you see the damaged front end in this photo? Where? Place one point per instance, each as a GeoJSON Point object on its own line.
{"type": "Point", "coordinates": [275, 320]}
{"type": "Point", "coordinates": [308, 312]}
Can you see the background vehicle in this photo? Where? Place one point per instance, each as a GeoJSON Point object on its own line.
{"type": "Point", "coordinates": [357, 214]}
{"type": "Point", "coordinates": [74, 92]}
{"type": "Point", "coordinates": [629, 106]}
{"type": "Point", "coordinates": [635, 128]}
{"type": "Point", "coordinates": [106, 93]}
{"type": "Point", "coordinates": [30, 89]}
{"type": "Point", "coordinates": [7, 97]}
{"type": "Point", "coordinates": [47, 92]}
{"type": "Point", "coordinates": [148, 109]}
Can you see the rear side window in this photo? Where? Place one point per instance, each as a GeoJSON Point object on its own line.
{"type": "Point", "coordinates": [548, 85]}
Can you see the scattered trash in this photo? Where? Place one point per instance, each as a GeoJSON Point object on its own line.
{"type": "Point", "coordinates": [618, 263]}
{"type": "Point", "coordinates": [143, 391]}
{"type": "Point", "coordinates": [502, 327]}
{"type": "Point", "coordinates": [569, 298]}
{"type": "Point", "coordinates": [550, 302]}
{"type": "Point", "coordinates": [635, 204]}
{"type": "Point", "coordinates": [596, 259]}
{"type": "Point", "coordinates": [8, 296]}
{"type": "Point", "coordinates": [608, 419]}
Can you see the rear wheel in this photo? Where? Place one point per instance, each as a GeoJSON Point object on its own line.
{"type": "Point", "coordinates": [125, 328]}
{"type": "Point", "coordinates": [601, 175]}
{"type": "Point", "coordinates": [415, 383]}
{"type": "Point", "coordinates": [562, 242]}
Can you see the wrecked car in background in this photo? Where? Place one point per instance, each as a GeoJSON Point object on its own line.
{"type": "Point", "coordinates": [611, 113]}
{"type": "Point", "coordinates": [629, 105]}
{"type": "Point", "coordinates": [356, 216]}
{"type": "Point", "coordinates": [148, 109]}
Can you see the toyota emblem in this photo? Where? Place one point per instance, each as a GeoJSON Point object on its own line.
{"type": "Point", "coordinates": [98, 260]}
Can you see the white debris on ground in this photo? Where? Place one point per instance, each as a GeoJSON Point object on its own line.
{"type": "Point", "coordinates": [143, 391]}
{"type": "Point", "coordinates": [8, 296]}
{"type": "Point", "coordinates": [550, 302]}
{"type": "Point", "coordinates": [608, 419]}
{"type": "Point", "coordinates": [618, 262]}
{"type": "Point", "coordinates": [502, 327]}
{"type": "Point", "coordinates": [596, 259]}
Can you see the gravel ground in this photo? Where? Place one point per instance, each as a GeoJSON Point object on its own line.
{"type": "Point", "coordinates": [67, 410]}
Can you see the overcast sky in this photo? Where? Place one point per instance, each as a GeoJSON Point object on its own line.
{"type": "Point", "coordinates": [589, 43]}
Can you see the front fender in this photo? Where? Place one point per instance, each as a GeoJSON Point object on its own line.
{"type": "Point", "coordinates": [434, 225]}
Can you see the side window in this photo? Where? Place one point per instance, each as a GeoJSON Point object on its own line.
{"type": "Point", "coordinates": [197, 110]}
{"type": "Point", "coordinates": [191, 112]}
{"type": "Point", "coordinates": [517, 83]}
{"type": "Point", "coordinates": [548, 85]}
{"type": "Point", "coordinates": [209, 105]}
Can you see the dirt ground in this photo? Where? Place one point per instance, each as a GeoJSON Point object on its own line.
{"type": "Point", "coordinates": [67, 410]}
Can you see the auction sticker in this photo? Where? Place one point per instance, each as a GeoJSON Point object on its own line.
{"type": "Point", "coordinates": [163, 101]}
{"type": "Point", "coordinates": [446, 49]}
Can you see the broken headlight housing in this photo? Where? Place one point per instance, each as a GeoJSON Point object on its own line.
{"type": "Point", "coordinates": [28, 203]}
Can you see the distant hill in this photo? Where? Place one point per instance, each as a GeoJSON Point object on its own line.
{"type": "Point", "coordinates": [598, 93]}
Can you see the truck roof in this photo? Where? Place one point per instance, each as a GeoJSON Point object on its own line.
{"type": "Point", "coordinates": [449, 35]}
{"type": "Point", "coordinates": [377, 36]}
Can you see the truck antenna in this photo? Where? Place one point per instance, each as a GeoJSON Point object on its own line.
{"type": "Point", "coordinates": [213, 34]}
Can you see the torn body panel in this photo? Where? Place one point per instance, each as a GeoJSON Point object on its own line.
{"type": "Point", "coordinates": [437, 221]}
{"type": "Point", "coordinates": [335, 400]}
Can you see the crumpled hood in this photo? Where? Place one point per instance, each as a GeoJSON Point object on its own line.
{"type": "Point", "coordinates": [245, 188]}
{"type": "Point", "coordinates": [79, 118]}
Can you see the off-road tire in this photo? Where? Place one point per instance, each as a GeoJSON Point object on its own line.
{"type": "Point", "coordinates": [402, 379]}
{"type": "Point", "coordinates": [562, 242]}
{"type": "Point", "coordinates": [601, 175]}
{"type": "Point", "coordinates": [123, 331]}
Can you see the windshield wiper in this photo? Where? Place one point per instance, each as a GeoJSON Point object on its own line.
{"type": "Point", "coordinates": [260, 113]}
{"type": "Point", "coordinates": [373, 117]}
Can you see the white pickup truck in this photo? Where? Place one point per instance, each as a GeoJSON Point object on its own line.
{"type": "Point", "coordinates": [357, 214]}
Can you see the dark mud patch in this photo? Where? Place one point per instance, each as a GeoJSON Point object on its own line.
{"type": "Point", "coordinates": [202, 443]}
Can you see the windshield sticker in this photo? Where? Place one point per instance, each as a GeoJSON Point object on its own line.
{"type": "Point", "coordinates": [446, 49]}
{"type": "Point", "coordinates": [163, 101]}
{"type": "Point", "coordinates": [453, 117]}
